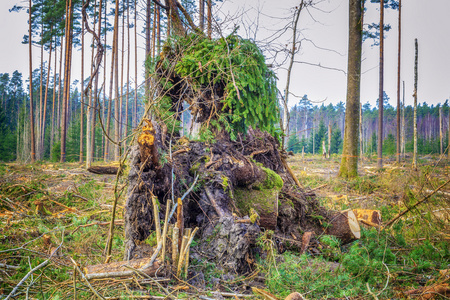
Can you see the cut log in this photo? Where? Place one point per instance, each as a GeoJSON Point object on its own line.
{"type": "Point", "coordinates": [368, 215]}
{"type": "Point", "coordinates": [344, 226]}
{"type": "Point", "coordinates": [119, 269]}
{"type": "Point", "coordinates": [295, 296]}
{"type": "Point", "coordinates": [103, 170]}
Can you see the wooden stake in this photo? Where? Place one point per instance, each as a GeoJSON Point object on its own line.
{"type": "Point", "coordinates": [175, 234]}
{"type": "Point", "coordinates": [180, 221]}
{"type": "Point", "coordinates": [164, 234]}
{"type": "Point", "coordinates": [182, 254]}
{"type": "Point", "coordinates": [157, 220]}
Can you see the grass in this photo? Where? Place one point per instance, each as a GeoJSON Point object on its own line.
{"type": "Point", "coordinates": [407, 255]}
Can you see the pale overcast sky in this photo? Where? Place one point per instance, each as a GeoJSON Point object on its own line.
{"type": "Point", "coordinates": [327, 28]}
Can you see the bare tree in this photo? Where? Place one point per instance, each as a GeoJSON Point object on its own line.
{"type": "Point", "coordinates": [294, 49]}
{"type": "Point", "coordinates": [415, 105]}
{"type": "Point", "coordinates": [349, 162]}
{"type": "Point", "coordinates": [381, 91]}
{"type": "Point", "coordinates": [30, 32]}
{"type": "Point", "coordinates": [398, 77]}
{"type": "Point", "coordinates": [67, 69]}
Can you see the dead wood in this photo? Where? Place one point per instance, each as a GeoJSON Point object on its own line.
{"type": "Point", "coordinates": [344, 225]}
{"type": "Point", "coordinates": [103, 170]}
{"type": "Point", "coordinates": [120, 269]}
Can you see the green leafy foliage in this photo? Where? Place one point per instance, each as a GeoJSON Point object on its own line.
{"type": "Point", "coordinates": [238, 67]}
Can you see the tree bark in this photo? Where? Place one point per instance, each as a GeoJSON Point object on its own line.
{"type": "Point", "coordinates": [116, 76]}
{"type": "Point", "coordinates": [441, 139]}
{"type": "Point", "coordinates": [201, 6]}
{"type": "Point", "coordinates": [44, 117]}
{"type": "Point", "coordinates": [415, 104]}
{"type": "Point", "coordinates": [403, 123]}
{"type": "Point", "coordinates": [30, 33]}
{"type": "Point", "coordinates": [135, 121]}
{"type": "Point", "coordinates": [82, 95]}
{"type": "Point", "coordinates": [380, 91]}
{"type": "Point", "coordinates": [209, 4]}
{"type": "Point", "coordinates": [349, 162]}
{"type": "Point", "coordinates": [52, 133]}
{"type": "Point", "coordinates": [67, 66]}
{"type": "Point", "coordinates": [398, 77]}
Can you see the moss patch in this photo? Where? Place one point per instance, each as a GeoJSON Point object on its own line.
{"type": "Point", "coordinates": [273, 181]}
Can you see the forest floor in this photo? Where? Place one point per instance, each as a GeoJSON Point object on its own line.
{"type": "Point", "coordinates": [53, 215]}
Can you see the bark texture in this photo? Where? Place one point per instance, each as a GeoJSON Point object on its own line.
{"type": "Point", "coordinates": [349, 162]}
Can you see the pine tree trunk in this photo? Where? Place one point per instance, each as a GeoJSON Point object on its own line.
{"type": "Point", "coordinates": [33, 142]}
{"type": "Point", "coordinates": [128, 70]}
{"type": "Point", "coordinates": [349, 162]}
{"type": "Point", "coordinates": [122, 72]}
{"type": "Point", "coordinates": [398, 78]}
{"type": "Point", "coordinates": [441, 139]}
{"type": "Point", "coordinates": [135, 121]}
{"type": "Point", "coordinates": [289, 70]}
{"type": "Point", "coordinates": [67, 67]}
{"type": "Point", "coordinates": [329, 140]}
{"type": "Point", "coordinates": [415, 105]}
{"type": "Point", "coordinates": [209, 4]}
{"type": "Point", "coordinates": [380, 91]}
{"type": "Point", "coordinates": [58, 121]}
{"type": "Point", "coordinates": [116, 76]}
{"type": "Point", "coordinates": [41, 99]}
{"type": "Point", "coordinates": [403, 123]}
{"type": "Point", "coordinates": [82, 93]}
{"type": "Point", "coordinates": [111, 86]}
{"type": "Point", "coordinates": [52, 134]}
{"type": "Point", "coordinates": [201, 21]}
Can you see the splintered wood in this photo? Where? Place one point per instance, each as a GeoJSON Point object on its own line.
{"type": "Point", "coordinates": [147, 147]}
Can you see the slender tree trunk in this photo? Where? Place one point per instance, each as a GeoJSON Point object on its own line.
{"type": "Point", "coordinates": [82, 95]}
{"type": "Point", "coordinates": [349, 162]}
{"type": "Point", "coordinates": [105, 110]}
{"type": "Point", "coordinates": [52, 134]}
{"type": "Point", "coordinates": [415, 104]}
{"type": "Point", "coordinates": [41, 98]}
{"type": "Point", "coordinates": [117, 102]}
{"type": "Point", "coordinates": [111, 84]}
{"type": "Point", "coordinates": [209, 4]}
{"type": "Point", "coordinates": [128, 70]}
{"type": "Point", "coordinates": [398, 77]}
{"type": "Point", "coordinates": [361, 150]}
{"type": "Point", "coordinates": [46, 94]}
{"type": "Point", "coordinates": [148, 49]}
{"type": "Point", "coordinates": [289, 70]}
{"type": "Point", "coordinates": [158, 28]}
{"type": "Point", "coordinates": [30, 33]}
{"type": "Point", "coordinates": [67, 67]}
{"type": "Point", "coordinates": [441, 139]}
{"type": "Point", "coordinates": [329, 140]}
{"type": "Point", "coordinates": [403, 123]}
{"type": "Point", "coordinates": [122, 63]}
{"type": "Point", "coordinates": [58, 121]}
{"type": "Point", "coordinates": [96, 105]}
{"type": "Point", "coordinates": [380, 91]}
{"type": "Point", "coordinates": [154, 32]}
{"type": "Point", "coordinates": [135, 120]}
{"type": "Point", "coordinates": [201, 21]}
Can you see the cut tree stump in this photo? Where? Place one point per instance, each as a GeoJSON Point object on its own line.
{"type": "Point", "coordinates": [103, 170]}
{"type": "Point", "coordinates": [368, 216]}
{"type": "Point", "coordinates": [119, 269]}
{"type": "Point", "coordinates": [344, 225]}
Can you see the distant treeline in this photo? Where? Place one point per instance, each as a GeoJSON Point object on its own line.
{"type": "Point", "coordinates": [309, 123]}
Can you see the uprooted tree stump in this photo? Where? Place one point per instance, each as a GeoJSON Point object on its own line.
{"type": "Point", "coordinates": [244, 184]}
{"type": "Point", "coordinates": [237, 195]}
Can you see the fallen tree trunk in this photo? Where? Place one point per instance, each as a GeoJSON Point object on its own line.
{"type": "Point", "coordinates": [103, 170]}
{"type": "Point", "coordinates": [123, 269]}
